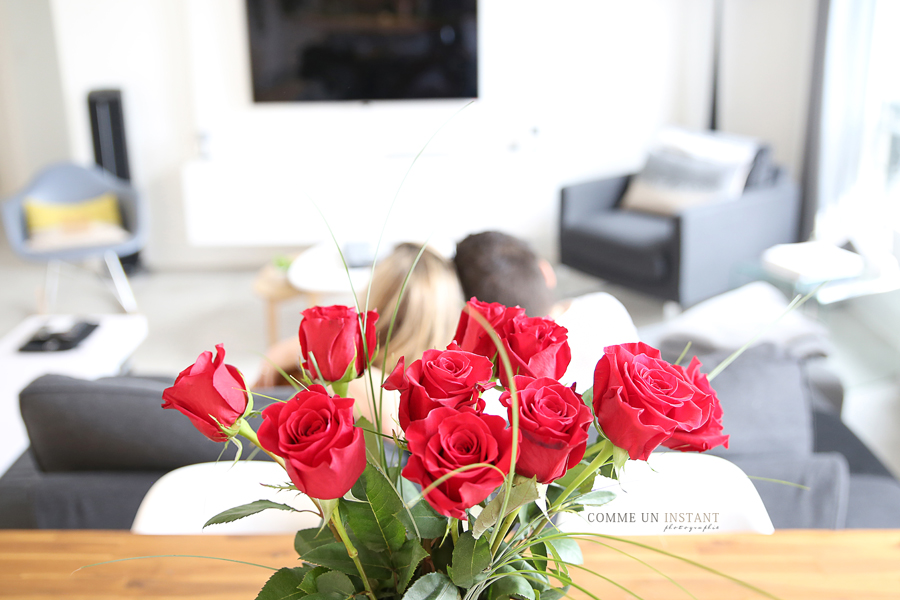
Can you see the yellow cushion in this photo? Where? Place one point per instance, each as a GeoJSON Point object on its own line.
{"type": "Point", "coordinates": [41, 216]}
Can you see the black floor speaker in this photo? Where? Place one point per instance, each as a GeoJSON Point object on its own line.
{"type": "Point", "coordinates": [110, 149]}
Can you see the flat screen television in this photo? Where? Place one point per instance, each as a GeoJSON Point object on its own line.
{"type": "Point", "coordinates": [326, 50]}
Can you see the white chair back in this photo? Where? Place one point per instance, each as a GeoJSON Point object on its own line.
{"type": "Point", "coordinates": [181, 501]}
{"type": "Point", "coordinates": [675, 493]}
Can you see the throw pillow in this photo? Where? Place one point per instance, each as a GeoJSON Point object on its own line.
{"type": "Point", "coordinates": [687, 169]}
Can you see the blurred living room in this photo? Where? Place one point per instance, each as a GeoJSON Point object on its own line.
{"type": "Point", "coordinates": [234, 172]}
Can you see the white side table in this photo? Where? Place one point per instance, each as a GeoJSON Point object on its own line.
{"type": "Point", "coordinates": [319, 271]}
{"type": "Point", "coordinates": [103, 353]}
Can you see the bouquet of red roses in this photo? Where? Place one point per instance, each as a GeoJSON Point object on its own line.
{"type": "Point", "coordinates": [491, 485]}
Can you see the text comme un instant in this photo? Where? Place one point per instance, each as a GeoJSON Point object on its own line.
{"type": "Point", "coordinates": [681, 521]}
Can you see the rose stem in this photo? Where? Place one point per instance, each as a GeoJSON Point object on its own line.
{"type": "Point", "coordinates": [598, 462]}
{"type": "Point", "coordinates": [340, 388]}
{"type": "Point", "coordinates": [351, 551]}
{"type": "Point", "coordinates": [504, 529]}
{"type": "Point", "coordinates": [248, 433]}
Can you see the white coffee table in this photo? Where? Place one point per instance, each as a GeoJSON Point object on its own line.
{"type": "Point", "coordinates": [103, 353]}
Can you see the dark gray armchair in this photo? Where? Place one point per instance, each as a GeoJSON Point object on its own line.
{"type": "Point", "coordinates": [687, 257]}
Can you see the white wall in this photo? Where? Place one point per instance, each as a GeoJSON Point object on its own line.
{"type": "Point", "coordinates": [569, 89]}
{"type": "Point", "coordinates": [766, 67]}
{"type": "Point", "coordinates": [139, 47]}
{"type": "Point", "coordinates": [33, 128]}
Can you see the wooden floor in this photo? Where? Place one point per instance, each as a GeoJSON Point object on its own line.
{"type": "Point", "coordinates": [795, 565]}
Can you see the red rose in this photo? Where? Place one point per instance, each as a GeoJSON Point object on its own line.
{"type": "Point", "coordinates": [332, 335]}
{"type": "Point", "coordinates": [709, 433]}
{"type": "Point", "coordinates": [640, 399]}
{"type": "Point", "coordinates": [448, 439]}
{"type": "Point", "coordinates": [537, 347]}
{"type": "Point", "coordinates": [211, 394]}
{"type": "Point", "coordinates": [323, 452]}
{"type": "Point", "coordinates": [472, 337]}
{"type": "Point", "coordinates": [441, 378]}
{"type": "Point", "coordinates": [553, 422]}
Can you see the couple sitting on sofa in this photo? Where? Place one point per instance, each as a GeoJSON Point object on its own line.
{"type": "Point", "coordinates": [489, 266]}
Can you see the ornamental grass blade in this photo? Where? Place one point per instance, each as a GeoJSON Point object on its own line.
{"type": "Point", "coordinates": [245, 510]}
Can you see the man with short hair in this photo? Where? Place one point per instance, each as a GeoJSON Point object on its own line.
{"type": "Point", "coordinates": [497, 267]}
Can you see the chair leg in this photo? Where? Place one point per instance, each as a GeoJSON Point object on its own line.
{"type": "Point", "coordinates": [123, 289]}
{"type": "Point", "coordinates": [51, 287]}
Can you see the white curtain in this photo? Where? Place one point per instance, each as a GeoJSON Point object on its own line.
{"type": "Point", "coordinates": [836, 118]}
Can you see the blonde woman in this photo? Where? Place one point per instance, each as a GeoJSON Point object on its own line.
{"type": "Point", "coordinates": [426, 318]}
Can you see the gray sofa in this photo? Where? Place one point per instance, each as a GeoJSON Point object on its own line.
{"type": "Point", "coordinates": [687, 257]}
{"type": "Point", "coordinates": [783, 416]}
{"type": "Point", "coordinates": [98, 446]}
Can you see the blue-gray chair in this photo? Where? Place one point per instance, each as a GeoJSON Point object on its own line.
{"type": "Point", "coordinates": [68, 184]}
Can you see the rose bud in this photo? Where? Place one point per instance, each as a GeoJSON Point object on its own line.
{"type": "Point", "coordinates": [709, 433]}
{"type": "Point", "coordinates": [441, 378]}
{"type": "Point", "coordinates": [537, 347]}
{"type": "Point", "coordinates": [446, 440]}
{"type": "Point", "coordinates": [324, 454]}
{"type": "Point", "coordinates": [472, 337]}
{"type": "Point", "coordinates": [211, 394]}
{"type": "Point", "coordinates": [553, 422]}
{"type": "Point", "coordinates": [640, 400]}
{"type": "Point", "coordinates": [332, 335]}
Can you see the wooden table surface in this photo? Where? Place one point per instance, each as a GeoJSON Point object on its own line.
{"type": "Point", "coordinates": [796, 565]}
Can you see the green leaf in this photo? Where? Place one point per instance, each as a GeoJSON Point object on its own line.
{"type": "Point", "coordinates": [334, 556]}
{"type": "Point", "coordinates": [539, 556]}
{"type": "Point", "coordinates": [566, 549]}
{"type": "Point", "coordinates": [554, 593]}
{"type": "Point", "coordinates": [335, 582]}
{"type": "Point", "coordinates": [406, 561]}
{"type": "Point", "coordinates": [430, 523]}
{"type": "Point", "coordinates": [308, 585]}
{"type": "Point", "coordinates": [385, 504]}
{"type": "Point", "coordinates": [588, 398]}
{"type": "Point", "coordinates": [433, 586]}
{"type": "Point", "coordinates": [245, 510]}
{"type": "Point", "coordinates": [511, 586]}
{"type": "Point", "coordinates": [597, 498]}
{"type": "Point", "coordinates": [519, 495]}
{"type": "Point", "coordinates": [537, 581]}
{"type": "Point", "coordinates": [563, 482]}
{"type": "Point", "coordinates": [283, 584]}
{"type": "Point", "coordinates": [307, 540]}
{"type": "Point", "coordinates": [325, 596]}
{"type": "Point", "coordinates": [470, 558]}
{"type": "Point", "coordinates": [384, 533]}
